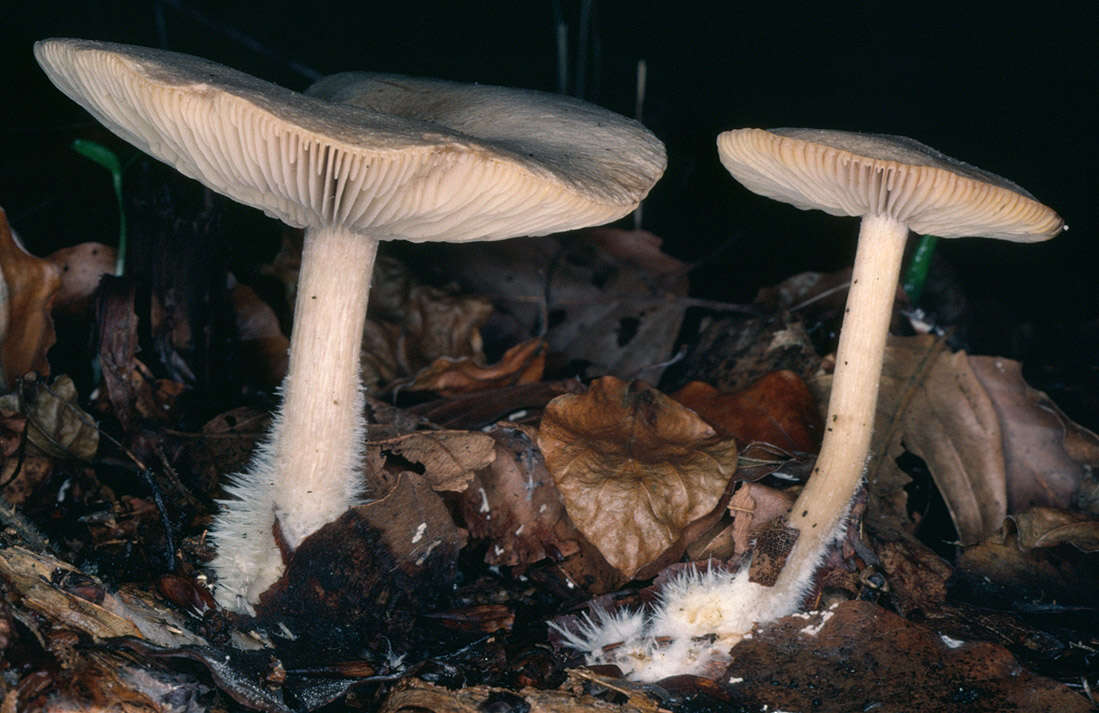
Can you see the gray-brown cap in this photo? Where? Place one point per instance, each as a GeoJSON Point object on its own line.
{"type": "Point", "coordinates": [848, 173]}
{"type": "Point", "coordinates": [545, 163]}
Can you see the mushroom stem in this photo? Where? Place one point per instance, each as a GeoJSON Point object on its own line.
{"type": "Point", "coordinates": [820, 509]}
{"type": "Point", "coordinates": [308, 470]}
{"type": "Point", "coordinates": [319, 442]}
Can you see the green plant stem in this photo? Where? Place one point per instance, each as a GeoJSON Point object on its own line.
{"type": "Point", "coordinates": [915, 277]}
{"type": "Point", "coordinates": [107, 159]}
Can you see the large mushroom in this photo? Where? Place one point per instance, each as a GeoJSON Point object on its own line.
{"type": "Point", "coordinates": [895, 184]}
{"type": "Point", "coordinates": [420, 161]}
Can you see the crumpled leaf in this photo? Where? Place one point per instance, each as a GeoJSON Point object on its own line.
{"type": "Point", "coordinates": [610, 296]}
{"type": "Point", "coordinates": [118, 346]}
{"type": "Point", "coordinates": [28, 287]}
{"type": "Point", "coordinates": [934, 404]}
{"type": "Point", "coordinates": [1049, 527]}
{"type": "Point", "coordinates": [1039, 470]}
{"type": "Point", "coordinates": [20, 473]}
{"type": "Point", "coordinates": [448, 458]}
{"type": "Point", "coordinates": [777, 409]}
{"type": "Point", "coordinates": [431, 324]}
{"type": "Point", "coordinates": [57, 426]}
{"type": "Point", "coordinates": [753, 507]}
{"type": "Point", "coordinates": [448, 376]}
{"type": "Point", "coordinates": [514, 503]}
{"type": "Point", "coordinates": [634, 467]}
{"type": "Point", "coordinates": [930, 404]}
{"type": "Point", "coordinates": [857, 656]}
{"type": "Point", "coordinates": [81, 268]}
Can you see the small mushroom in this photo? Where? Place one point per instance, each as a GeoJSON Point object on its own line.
{"type": "Point", "coordinates": [895, 184]}
{"type": "Point", "coordinates": [419, 161]}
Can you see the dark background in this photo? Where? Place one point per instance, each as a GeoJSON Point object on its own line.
{"type": "Point", "coordinates": [1011, 92]}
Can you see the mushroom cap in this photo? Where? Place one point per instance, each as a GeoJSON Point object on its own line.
{"type": "Point", "coordinates": [848, 173]}
{"type": "Point", "coordinates": [311, 162]}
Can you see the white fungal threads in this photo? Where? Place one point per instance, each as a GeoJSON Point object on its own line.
{"type": "Point", "coordinates": [699, 616]}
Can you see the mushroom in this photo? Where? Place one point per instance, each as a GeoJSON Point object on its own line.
{"type": "Point", "coordinates": [425, 161]}
{"type": "Point", "coordinates": [895, 184]}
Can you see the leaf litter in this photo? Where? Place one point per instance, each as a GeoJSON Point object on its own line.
{"type": "Point", "coordinates": [503, 493]}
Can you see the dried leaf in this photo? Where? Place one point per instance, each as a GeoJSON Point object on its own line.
{"type": "Point", "coordinates": [1038, 469]}
{"type": "Point", "coordinates": [57, 426]}
{"type": "Point", "coordinates": [1050, 527]}
{"type": "Point", "coordinates": [753, 507]}
{"type": "Point", "coordinates": [933, 405]}
{"type": "Point", "coordinates": [81, 267]}
{"type": "Point", "coordinates": [448, 458]}
{"type": "Point", "coordinates": [983, 433]}
{"type": "Point", "coordinates": [21, 476]}
{"type": "Point", "coordinates": [776, 409]}
{"type": "Point", "coordinates": [431, 324]}
{"type": "Point", "coordinates": [28, 287]}
{"type": "Point", "coordinates": [521, 364]}
{"type": "Point", "coordinates": [118, 346]}
{"type": "Point", "coordinates": [635, 468]}
{"type": "Point", "coordinates": [514, 504]}
{"type": "Point", "coordinates": [610, 296]}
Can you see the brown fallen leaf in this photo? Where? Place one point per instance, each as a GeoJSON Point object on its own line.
{"type": "Point", "coordinates": [857, 656]}
{"type": "Point", "coordinates": [777, 409]}
{"type": "Point", "coordinates": [448, 376]}
{"type": "Point", "coordinates": [28, 287]}
{"type": "Point", "coordinates": [57, 425]}
{"type": "Point", "coordinates": [612, 299]}
{"type": "Point", "coordinates": [448, 458]}
{"type": "Point", "coordinates": [117, 323]}
{"type": "Point", "coordinates": [634, 467]}
{"type": "Point", "coordinates": [430, 324]}
{"type": "Point", "coordinates": [978, 427]}
{"type": "Point", "coordinates": [753, 507]}
{"type": "Point", "coordinates": [81, 267]}
{"type": "Point", "coordinates": [1050, 527]}
{"type": "Point", "coordinates": [515, 506]}
{"type": "Point", "coordinates": [932, 404]}
{"type": "Point", "coordinates": [1039, 470]}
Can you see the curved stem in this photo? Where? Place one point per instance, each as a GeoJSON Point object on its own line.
{"type": "Point", "coordinates": [819, 511]}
